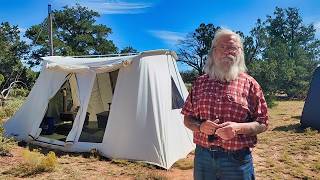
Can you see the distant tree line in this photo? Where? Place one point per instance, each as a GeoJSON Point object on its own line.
{"type": "Point", "coordinates": [281, 53]}
{"type": "Point", "coordinates": [75, 33]}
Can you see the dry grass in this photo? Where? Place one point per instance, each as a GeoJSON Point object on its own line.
{"type": "Point", "coordinates": [184, 164]}
{"type": "Point", "coordinates": [285, 151]}
{"type": "Point", "coordinates": [34, 163]}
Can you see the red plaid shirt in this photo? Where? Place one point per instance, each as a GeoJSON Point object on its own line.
{"type": "Point", "coordinates": [240, 100]}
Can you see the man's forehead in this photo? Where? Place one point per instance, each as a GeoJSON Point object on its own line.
{"type": "Point", "coordinates": [228, 39]}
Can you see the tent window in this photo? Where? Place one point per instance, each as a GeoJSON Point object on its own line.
{"type": "Point", "coordinates": [177, 100]}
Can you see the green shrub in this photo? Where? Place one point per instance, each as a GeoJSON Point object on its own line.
{"type": "Point", "coordinates": [1, 79]}
{"type": "Point", "coordinates": [5, 143]}
{"type": "Point", "coordinates": [19, 92]}
{"type": "Point", "coordinates": [10, 107]}
{"type": "Point", "coordinates": [271, 100]}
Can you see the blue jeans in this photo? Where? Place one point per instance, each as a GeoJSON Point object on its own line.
{"type": "Point", "coordinates": [217, 164]}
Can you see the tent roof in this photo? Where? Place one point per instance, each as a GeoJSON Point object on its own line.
{"type": "Point", "coordinates": [97, 63]}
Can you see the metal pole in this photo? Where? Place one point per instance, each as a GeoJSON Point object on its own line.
{"type": "Point", "coordinates": [50, 30]}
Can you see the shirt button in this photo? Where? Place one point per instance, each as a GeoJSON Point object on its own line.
{"type": "Point", "coordinates": [218, 100]}
{"type": "Point", "coordinates": [217, 117]}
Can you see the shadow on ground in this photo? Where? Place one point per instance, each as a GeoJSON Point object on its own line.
{"type": "Point", "coordinates": [291, 127]}
{"type": "Point", "coordinates": [296, 117]}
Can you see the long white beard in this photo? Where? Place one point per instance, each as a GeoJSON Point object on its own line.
{"type": "Point", "coordinates": [225, 74]}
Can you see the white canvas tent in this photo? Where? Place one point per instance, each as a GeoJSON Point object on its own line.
{"type": "Point", "coordinates": [125, 107]}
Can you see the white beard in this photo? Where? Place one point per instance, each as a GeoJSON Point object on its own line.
{"type": "Point", "coordinates": [223, 73]}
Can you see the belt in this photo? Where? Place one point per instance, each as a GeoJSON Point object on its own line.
{"type": "Point", "coordinates": [220, 149]}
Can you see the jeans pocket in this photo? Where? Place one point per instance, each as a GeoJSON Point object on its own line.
{"type": "Point", "coordinates": [197, 150]}
{"type": "Point", "coordinates": [241, 157]}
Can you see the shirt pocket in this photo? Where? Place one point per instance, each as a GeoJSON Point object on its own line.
{"type": "Point", "coordinates": [206, 103]}
{"type": "Point", "coordinates": [237, 106]}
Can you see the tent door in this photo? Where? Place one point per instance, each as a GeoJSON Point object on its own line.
{"type": "Point", "coordinates": [61, 111]}
{"type": "Point", "coordinates": [99, 107]}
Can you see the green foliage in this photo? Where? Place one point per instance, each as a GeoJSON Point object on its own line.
{"type": "Point", "coordinates": [10, 107]}
{"type": "Point", "coordinates": [194, 49]}
{"type": "Point", "coordinates": [5, 143]}
{"type": "Point", "coordinates": [128, 50]}
{"type": "Point", "coordinates": [271, 100]}
{"type": "Point", "coordinates": [34, 163]}
{"type": "Point", "coordinates": [1, 79]}
{"type": "Point", "coordinates": [283, 53]}
{"type": "Point", "coordinates": [74, 33]}
{"type": "Point", "coordinates": [19, 93]}
{"type": "Point", "coordinates": [189, 76]}
{"type": "Point", "coordinates": [12, 52]}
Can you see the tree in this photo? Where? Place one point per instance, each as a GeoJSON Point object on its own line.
{"type": "Point", "coordinates": [74, 33]}
{"type": "Point", "coordinates": [12, 52]}
{"type": "Point", "coordinates": [194, 49]}
{"type": "Point", "coordinates": [128, 50]}
{"type": "Point", "coordinates": [189, 76]}
{"type": "Point", "coordinates": [287, 53]}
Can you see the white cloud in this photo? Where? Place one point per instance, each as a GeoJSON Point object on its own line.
{"type": "Point", "coordinates": [109, 6]}
{"type": "Point", "coordinates": [169, 37]}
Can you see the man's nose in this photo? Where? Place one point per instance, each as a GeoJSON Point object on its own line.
{"type": "Point", "coordinates": [229, 52]}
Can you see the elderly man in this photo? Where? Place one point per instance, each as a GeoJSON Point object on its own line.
{"type": "Point", "coordinates": [226, 110]}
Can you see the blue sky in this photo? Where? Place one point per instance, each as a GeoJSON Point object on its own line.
{"type": "Point", "coordinates": [159, 24]}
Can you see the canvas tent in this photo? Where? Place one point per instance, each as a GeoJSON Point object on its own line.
{"type": "Point", "coordinates": [311, 114]}
{"type": "Point", "coordinates": [125, 107]}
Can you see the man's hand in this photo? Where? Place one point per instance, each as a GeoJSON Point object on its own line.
{"type": "Point", "coordinates": [209, 127]}
{"type": "Point", "coordinates": [228, 130]}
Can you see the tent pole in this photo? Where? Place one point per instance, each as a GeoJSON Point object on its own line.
{"type": "Point", "coordinates": [50, 30]}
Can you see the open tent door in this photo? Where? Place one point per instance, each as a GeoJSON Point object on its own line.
{"type": "Point", "coordinates": [61, 111]}
{"type": "Point", "coordinates": [99, 107]}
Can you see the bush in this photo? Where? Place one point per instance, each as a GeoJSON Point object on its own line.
{"type": "Point", "coordinates": [10, 107]}
{"type": "Point", "coordinates": [19, 92]}
{"type": "Point", "coordinates": [1, 79]}
{"type": "Point", "coordinates": [271, 100]}
{"type": "Point", "coordinates": [5, 143]}
{"type": "Point", "coordinates": [34, 163]}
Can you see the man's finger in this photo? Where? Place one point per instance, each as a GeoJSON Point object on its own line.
{"type": "Point", "coordinates": [224, 124]}
{"type": "Point", "coordinates": [214, 123]}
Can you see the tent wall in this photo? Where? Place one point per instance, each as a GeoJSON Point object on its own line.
{"type": "Point", "coordinates": [141, 117]}
{"type": "Point", "coordinates": [310, 115]}
{"type": "Point", "coordinates": [182, 143]}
